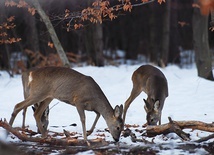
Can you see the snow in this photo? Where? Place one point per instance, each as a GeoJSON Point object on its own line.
{"type": "Point", "coordinates": [190, 98]}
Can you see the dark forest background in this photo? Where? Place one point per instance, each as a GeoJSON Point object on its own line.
{"type": "Point", "coordinates": [139, 33]}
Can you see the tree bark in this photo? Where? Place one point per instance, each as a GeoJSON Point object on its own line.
{"type": "Point", "coordinates": [212, 18]}
{"type": "Point", "coordinates": [165, 35]}
{"type": "Point", "coordinates": [201, 44]}
{"type": "Point", "coordinates": [177, 127]}
{"type": "Point", "coordinates": [159, 24]}
{"type": "Point", "coordinates": [52, 33]}
{"type": "Point", "coordinates": [31, 30]}
{"type": "Point", "coordinates": [94, 44]}
{"type": "Point", "coordinates": [174, 54]}
{"type": "Point", "coordinates": [4, 49]}
{"type": "Point", "coordinates": [32, 38]}
{"type": "Point", "coordinates": [153, 45]}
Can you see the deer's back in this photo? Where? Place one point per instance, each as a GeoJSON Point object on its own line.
{"type": "Point", "coordinates": [152, 81]}
{"type": "Point", "coordinates": [67, 85]}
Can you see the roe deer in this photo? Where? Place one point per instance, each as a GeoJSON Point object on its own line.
{"type": "Point", "coordinates": [153, 82]}
{"type": "Point", "coordinates": [26, 89]}
{"type": "Point", "coordinates": [74, 88]}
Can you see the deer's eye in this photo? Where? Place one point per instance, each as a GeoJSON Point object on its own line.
{"type": "Point", "coordinates": [118, 128]}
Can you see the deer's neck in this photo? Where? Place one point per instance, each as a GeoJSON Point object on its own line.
{"type": "Point", "coordinates": [105, 110]}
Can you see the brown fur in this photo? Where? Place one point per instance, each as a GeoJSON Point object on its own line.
{"type": "Point", "coordinates": [153, 82]}
{"type": "Point", "coordinates": [73, 88]}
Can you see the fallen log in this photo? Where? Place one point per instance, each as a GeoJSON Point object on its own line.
{"type": "Point", "coordinates": [177, 127]}
{"type": "Point", "coordinates": [66, 141]}
{"type": "Point", "coordinates": [151, 131]}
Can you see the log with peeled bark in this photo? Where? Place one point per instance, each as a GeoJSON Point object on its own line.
{"type": "Point", "coordinates": [177, 127]}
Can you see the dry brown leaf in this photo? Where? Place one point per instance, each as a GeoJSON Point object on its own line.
{"type": "Point", "coordinates": [161, 1]}
{"type": "Point", "coordinates": [131, 125]}
{"type": "Point", "coordinates": [50, 44]}
{"type": "Point", "coordinates": [206, 6]}
{"type": "Point", "coordinates": [144, 1]}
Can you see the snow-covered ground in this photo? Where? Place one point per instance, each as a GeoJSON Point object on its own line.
{"type": "Point", "coordinates": [190, 98]}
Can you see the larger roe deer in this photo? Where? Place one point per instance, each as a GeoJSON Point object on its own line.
{"type": "Point", "coordinates": [26, 90]}
{"type": "Point", "coordinates": [153, 82]}
{"type": "Point", "coordinates": [74, 88]}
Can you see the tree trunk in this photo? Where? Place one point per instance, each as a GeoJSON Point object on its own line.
{"type": "Point", "coordinates": [98, 44]}
{"type": "Point", "coordinates": [52, 33]}
{"type": "Point", "coordinates": [174, 53]}
{"type": "Point", "coordinates": [31, 30]}
{"type": "Point", "coordinates": [94, 44]}
{"type": "Point", "coordinates": [165, 35]}
{"type": "Point", "coordinates": [212, 18]}
{"type": "Point", "coordinates": [153, 45]}
{"type": "Point", "coordinates": [4, 61]}
{"type": "Point", "coordinates": [32, 38]}
{"type": "Point", "coordinates": [201, 44]}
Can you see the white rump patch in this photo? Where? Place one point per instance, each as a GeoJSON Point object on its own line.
{"type": "Point", "coordinates": [30, 78]}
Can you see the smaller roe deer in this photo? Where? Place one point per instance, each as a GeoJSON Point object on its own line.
{"type": "Point", "coordinates": [74, 88]}
{"type": "Point", "coordinates": [153, 82]}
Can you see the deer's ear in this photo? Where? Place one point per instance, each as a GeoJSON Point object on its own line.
{"type": "Point", "coordinates": [145, 101]}
{"type": "Point", "coordinates": [118, 111]}
{"type": "Point", "coordinates": [121, 109]}
{"type": "Point", "coordinates": [156, 105]}
{"type": "Point", "coordinates": [146, 109]}
{"type": "Point", "coordinates": [147, 105]}
{"type": "Point", "coordinates": [34, 109]}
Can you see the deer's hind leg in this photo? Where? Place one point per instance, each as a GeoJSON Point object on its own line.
{"type": "Point", "coordinates": [22, 105]}
{"type": "Point", "coordinates": [24, 117]}
{"type": "Point", "coordinates": [136, 90]}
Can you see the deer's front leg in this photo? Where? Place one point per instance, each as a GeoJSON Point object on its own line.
{"type": "Point", "coordinates": [82, 118]}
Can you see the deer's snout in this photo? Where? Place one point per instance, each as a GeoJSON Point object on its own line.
{"type": "Point", "coordinates": [116, 139]}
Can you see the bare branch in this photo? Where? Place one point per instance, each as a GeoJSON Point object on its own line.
{"type": "Point", "coordinates": [99, 11]}
{"type": "Point", "coordinates": [205, 138]}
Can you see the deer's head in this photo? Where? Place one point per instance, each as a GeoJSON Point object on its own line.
{"type": "Point", "coordinates": [115, 125]}
{"type": "Point", "coordinates": [44, 118]}
{"type": "Point", "coordinates": [152, 109]}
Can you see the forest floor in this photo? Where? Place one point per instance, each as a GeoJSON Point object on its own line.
{"type": "Point", "coordinates": [111, 149]}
